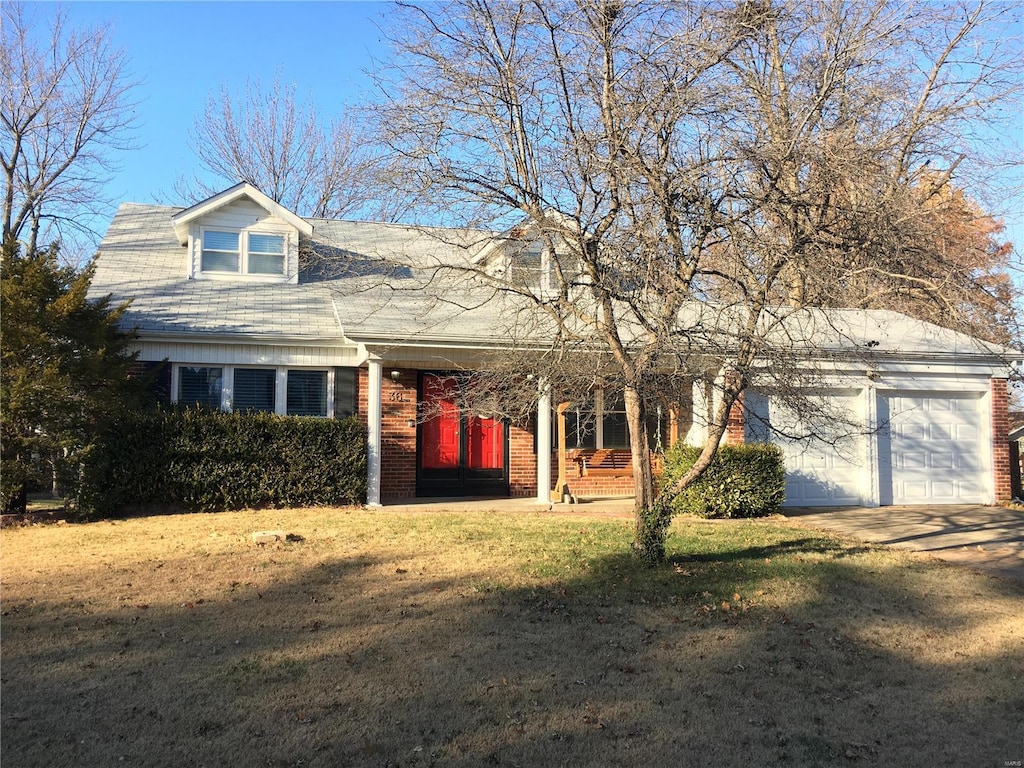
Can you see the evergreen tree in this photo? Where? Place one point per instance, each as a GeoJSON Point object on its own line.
{"type": "Point", "coordinates": [64, 369]}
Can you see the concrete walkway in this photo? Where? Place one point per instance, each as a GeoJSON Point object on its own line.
{"type": "Point", "coordinates": [617, 506]}
{"type": "Point", "coordinates": [988, 539]}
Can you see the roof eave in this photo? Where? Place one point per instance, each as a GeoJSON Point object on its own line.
{"type": "Point", "coordinates": [268, 339]}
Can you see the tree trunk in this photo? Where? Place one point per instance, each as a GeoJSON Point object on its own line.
{"type": "Point", "coordinates": [652, 519]}
{"type": "Point", "coordinates": [655, 516]}
{"type": "Point", "coordinates": [643, 474]}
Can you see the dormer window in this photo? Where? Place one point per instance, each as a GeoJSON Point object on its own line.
{"type": "Point", "coordinates": [248, 253]}
{"type": "Point", "coordinates": [241, 234]}
{"type": "Point", "coordinates": [220, 251]}
{"type": "Point", "coordinates": [536, 266]}
{"type": "Point", "coordinates": [266, 254]}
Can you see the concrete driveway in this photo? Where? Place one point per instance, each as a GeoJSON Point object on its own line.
{"type": "Point", "coordinates": [988, 539]}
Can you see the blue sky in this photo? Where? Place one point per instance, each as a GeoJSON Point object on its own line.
{"type": "Point", "coordinates": [183, 51]}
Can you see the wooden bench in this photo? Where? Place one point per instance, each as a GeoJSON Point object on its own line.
{"type": "Point", "coordinates": [604, 463]}
{"type": "Point", "coordinates": [611, 462]}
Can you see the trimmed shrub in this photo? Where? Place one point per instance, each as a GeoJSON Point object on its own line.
{"type": "Point", "coordinates": [742, 481]}
{"type": "Point", "coordinates": [200, 459]}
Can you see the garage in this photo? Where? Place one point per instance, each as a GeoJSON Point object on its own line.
{"type": "Point", "coordinates": [930, 448]}
{"type": "Point", "coordinates": [826, 462]}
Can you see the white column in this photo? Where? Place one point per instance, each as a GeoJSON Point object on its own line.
{"type": "Point", "coordinates": [873, 492]}
{"type": "Point", "coordinates": [544, 442]}
{"type": "Point", "coordinates": [373, 414]}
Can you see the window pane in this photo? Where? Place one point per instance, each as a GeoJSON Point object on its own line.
{"type": "Point", "coordinates": [307, 393]}
{"type": "Point", "coordinates": [579, 429]}
{"type": "Point", "coordinates": [265, 265]}
{"type": "Point", "coordinates": [214, 261]}
{"type": "Point", "coordinates": [255, 389]}
{"type": "Point", "coordinates": [616, 430]}
{"type": "Point", "coordinates": [199, 386]}
{"type": "Point", "coordinates": [345, 392]}
{"type": "Point", "coordinates": [266, 243]}
{"type": "Point", "coordinates": [220, 241]}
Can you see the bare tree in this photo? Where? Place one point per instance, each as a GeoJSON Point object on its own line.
{"type": "Point", "coordinates": [287, 149]}
{"type": "Point", "coordinates": [681, 184]}
{"type": "Point", "coordinates": [67, 109]}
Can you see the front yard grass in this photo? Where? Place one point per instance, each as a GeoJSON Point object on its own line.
{"type": "Point", "coordinates": [505, 639]}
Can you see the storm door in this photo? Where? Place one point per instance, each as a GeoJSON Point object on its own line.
{"type": "Point", "coordinates": [459, 453]}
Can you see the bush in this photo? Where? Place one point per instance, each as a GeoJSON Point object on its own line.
{"type": "Point", "coordinates": [206, 460]}
{"type": "Point", "coordinates": [742, 481]}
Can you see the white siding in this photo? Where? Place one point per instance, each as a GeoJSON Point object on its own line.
{"type": "Point", "coordinates": [241, 214]}
{"type": "Point", "coordinates": [246, 215]}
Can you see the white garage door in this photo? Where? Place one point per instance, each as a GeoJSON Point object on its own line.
{"type": "Point", "coordinates": [931, 452]}
{"type": "Point", "coordinates": [825, 459]}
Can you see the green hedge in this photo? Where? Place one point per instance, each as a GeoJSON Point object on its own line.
{"type": "Point", "coordinates": [206, 460]}
{"type": "Point", "coordinates": [742, 481]}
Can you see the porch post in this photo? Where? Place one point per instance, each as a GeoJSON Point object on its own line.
{"type": "Point", "coordinates": [544, 442]}
{"type": "Point", "coordinates": [373, 414]}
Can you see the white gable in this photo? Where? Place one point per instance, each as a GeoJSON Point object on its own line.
{"type": "Point", "coordinates": [183, 219]}
{"type": "Point", "coordinates": [246, 224]}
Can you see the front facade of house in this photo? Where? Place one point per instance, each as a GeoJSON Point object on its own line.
{"type": "Point", "coordinates": [254, 308]}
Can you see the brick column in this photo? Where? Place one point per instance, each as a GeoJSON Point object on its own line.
{"type": "Point", "coordinates": [735, 429]}
{"type": "Point", "coordinates": [1000, 441]}
{"type": "Point", "coordinates": [398, 434]}
{"type": "Point", "coordinates": [522, 460]}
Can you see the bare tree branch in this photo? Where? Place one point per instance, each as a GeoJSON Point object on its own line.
{"type": "Point", "coordinates": [66, 107]}
{"type": "Point", "coordinates": [692, 187]}
{"type": "Point", "coordinates": [287, 149]}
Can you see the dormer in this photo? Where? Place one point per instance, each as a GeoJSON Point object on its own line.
{"type": "Point", "coordinates": [527, 257]}
{"type": "Point", "coordinates": [241, 234]}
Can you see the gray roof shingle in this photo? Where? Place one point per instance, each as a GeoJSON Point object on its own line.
{"type": "Point", "coordinates": [341, 293]}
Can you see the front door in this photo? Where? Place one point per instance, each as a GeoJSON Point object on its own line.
{"type": "Point", "coordinates": [458, 453]}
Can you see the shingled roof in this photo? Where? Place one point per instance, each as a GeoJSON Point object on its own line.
{"type": "Point", "coordinates": [340, 285]}
{"type": "Point", "coordinates": [374, 282]}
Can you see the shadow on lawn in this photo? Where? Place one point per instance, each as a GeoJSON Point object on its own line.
{"type": "Point", "coordinates": [800, 653]}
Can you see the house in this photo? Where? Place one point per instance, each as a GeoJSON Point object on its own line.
{"type": "Point", "coordinates": [256, 308]}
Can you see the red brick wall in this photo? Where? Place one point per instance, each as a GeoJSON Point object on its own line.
{"type": "Point", "coordinates": [522, 462]}
{"type": "Point", "coordinates": [1000, 440]}
{"type": "Point", "coordinates": [599, 486]}
{"type": "Point", "coordinates": [362, 394]}
{"type": "Point", "coordinates": [735, 429]}
{"type": "Point", "coordinates": [397, 437]}
{"type": "Point", "coordinates": [592, 484]}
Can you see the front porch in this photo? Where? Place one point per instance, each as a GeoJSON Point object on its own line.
{"type": "Point", "coordinates": [544, 459]}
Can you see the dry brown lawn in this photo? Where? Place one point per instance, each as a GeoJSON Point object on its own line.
{"type": "Point", "coordinates": [388, 639]}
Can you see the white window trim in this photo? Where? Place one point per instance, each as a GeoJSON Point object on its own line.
{"type": "Point", "coordinates": [280, 384]}
{"type": "Point", "coordinates": [243, 255]}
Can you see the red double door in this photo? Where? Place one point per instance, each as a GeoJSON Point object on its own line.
{"type": "Point", "coordinates": [459, 453]}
